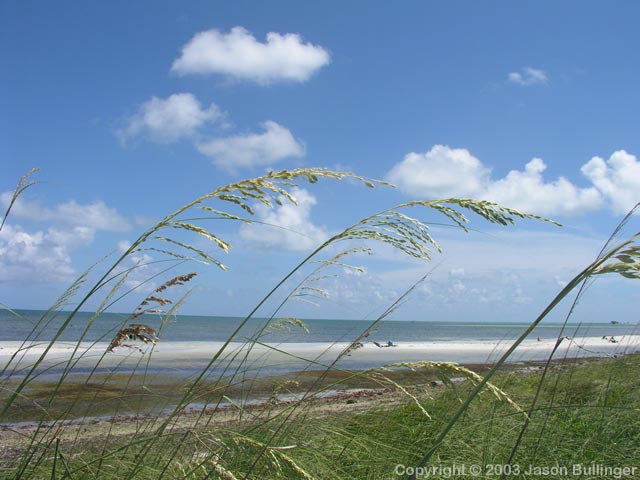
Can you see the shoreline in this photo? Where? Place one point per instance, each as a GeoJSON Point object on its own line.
{"type": "Point", "coordinates": [185, 358]}
{"type": "Point", "coordinates": [98, 381]}
{"type": "Point", "coordinates": [159, 391]}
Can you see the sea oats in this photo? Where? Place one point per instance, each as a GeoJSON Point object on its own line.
{"type": "Point", "coordinates": [447, 368]}
{"type": "Point", "coordinates": [23, 184]}
{"type": "Point", "coordinates": [141, 332]}
{"type": "Point", "coordinates": [144, 333]}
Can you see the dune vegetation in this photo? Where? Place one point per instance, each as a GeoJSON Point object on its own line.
{"type": "Point", "coordinates": [407, 420]}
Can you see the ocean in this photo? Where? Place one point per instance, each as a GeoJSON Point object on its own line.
{"type": "Point", "coordinates": [187, 343]}
{"type": "Point", "coordinates": [192, 328]}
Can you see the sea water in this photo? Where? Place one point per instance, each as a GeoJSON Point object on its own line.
{"type": "Point", "coordinates": [187, 343]}
{"type": "Point", "coordinates": [36, 325]}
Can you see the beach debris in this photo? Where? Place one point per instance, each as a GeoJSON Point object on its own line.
{"type": "Point", "coordinates": [133, 332]}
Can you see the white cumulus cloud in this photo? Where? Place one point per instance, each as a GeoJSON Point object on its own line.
{"type": "Point", "coordinates": [254, 149]}
{"type": "Point", "coordinates": [45, 254]}
{"type": "Point", "coordinates": [238, 54]}
{"type": "Point", "coordinates": [96, 215]}
{"type": "Point", "coordinates": [618, 178]}
{"type": "Point", "coordinates": [168, 120]}
{"type": "Point", "coordinates": [41, 256]}
{"type": "Point", "coordinates": [289, 226]}
{"type": "Point", "coordinates": [528, 77]}
{"type": "Point", "coordinates": [447, 172]}
{"type": "Point", "coordinates": [440, 172]}
{"type": "Point", "coordinates": [528, 191]}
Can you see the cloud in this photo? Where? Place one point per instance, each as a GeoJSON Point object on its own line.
{"type": "Point", "coordinates": [39, 256]}
{"type": "Point", "coordinates": [446, 172]}
{"type": "Point", "coordinates": [507, 268]}
{"type": "Point", "coordinates": [44, 255]}
{"type": "Point", "coordinates": [289, 226]}
{"type": "Point", "coordinates": [529, 192]}
{"type": "Point", "coordinates": [169, 120]}
{"type": "Point", "coordinates": [366, 293]}
{"type": "Point", "coordinates": [618, 179]}
{"type": "Point", "coordinates": [494, 274]}
{"type": "Point", "coordinates": [495, 288]}
{"type": "Point", "coordinates": [138, 267]}
{"type": "Point", "coordinates": [254, 149]}
{"type": "Point", "coordinates": [96, 215]}
{"type": "Point", "coordinates": [238, 54]}
{"type": "Point", "coordinates": [528, 77]}
{"type": "Point", "coordinates": [442, 171]}
{"type": "Point", "coordinates": [71, 238]}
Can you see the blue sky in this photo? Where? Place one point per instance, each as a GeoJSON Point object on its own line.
{"type": "Point", "coordinates": [132, 109]}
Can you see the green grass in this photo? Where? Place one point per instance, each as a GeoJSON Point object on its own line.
{"type": "Point", "coordinates": [567, 413]}
{"type": "Point", "coordinates": [588, 412]}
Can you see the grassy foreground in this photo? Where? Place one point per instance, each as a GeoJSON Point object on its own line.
{"type": "Point", "coordinates": [587, 413]}
{"type": "Point", "coordinates": [446, 421]}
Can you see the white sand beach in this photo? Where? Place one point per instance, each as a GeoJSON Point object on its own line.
{"type": "Point", "coordinates": [193, 356]}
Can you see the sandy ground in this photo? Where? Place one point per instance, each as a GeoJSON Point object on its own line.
{"type": "Point", "coordinates": [13, 438]}
{"type": "Point", "coordinates": [295, 356]}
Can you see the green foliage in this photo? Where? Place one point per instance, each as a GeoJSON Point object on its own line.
{"type": "Point", "coordinates": [573, 413]}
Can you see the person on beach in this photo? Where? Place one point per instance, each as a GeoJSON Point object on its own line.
{"type": "Point", "coordinates": [389, 344]}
